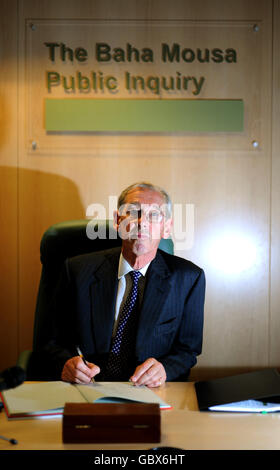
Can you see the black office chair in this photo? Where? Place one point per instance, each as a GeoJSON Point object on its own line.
{"type": "Point", "coordinates": [61, 241]}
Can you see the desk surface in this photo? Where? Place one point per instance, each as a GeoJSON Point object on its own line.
{"type": "Point", "coordinates": [184, 426]}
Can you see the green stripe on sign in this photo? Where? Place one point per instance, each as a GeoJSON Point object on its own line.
{"type": "Point", "coordinates": [123, 115]}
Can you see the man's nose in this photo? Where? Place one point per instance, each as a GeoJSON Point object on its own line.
{"type": "Point", "coordinates": [142, 219]}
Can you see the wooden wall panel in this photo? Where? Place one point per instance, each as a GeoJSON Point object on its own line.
{"type": "Point", "coordinates": [8, 185]}
{"type": "Point", "coordinates": [229, 188]}
{"type": "Point", "coordinates": [274, 352]}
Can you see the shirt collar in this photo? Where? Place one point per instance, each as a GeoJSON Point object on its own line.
{"type": "Point", "coordinates": [124, 267]}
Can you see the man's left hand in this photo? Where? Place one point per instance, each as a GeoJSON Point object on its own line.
{"type": "Point", "coordinates": [150, 373]}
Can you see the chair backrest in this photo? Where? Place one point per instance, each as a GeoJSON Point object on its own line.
{"type": "Point", "coordinates": [65, 240]}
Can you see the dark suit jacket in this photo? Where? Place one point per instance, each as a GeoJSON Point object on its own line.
{"type": "Point", "coordinates": [170, 322]}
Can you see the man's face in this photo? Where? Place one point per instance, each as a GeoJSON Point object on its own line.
{"type": "Point", "coordinates": [142, 221]}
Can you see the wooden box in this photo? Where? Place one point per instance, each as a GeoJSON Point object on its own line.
{"type": "Point", "coordinates": [111, 422]}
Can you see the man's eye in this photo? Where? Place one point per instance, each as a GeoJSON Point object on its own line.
{"type": "Point", "coordinates": [131, 213]}
{"type": "Point", "coordinates": [155, 215]}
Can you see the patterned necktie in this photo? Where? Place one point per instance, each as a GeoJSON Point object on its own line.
{"type": "Point", "coordinates": [123, 345]}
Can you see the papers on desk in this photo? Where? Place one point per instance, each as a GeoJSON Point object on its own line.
{"type": "Point", "coordinates": [46, 399]}
{"type": "Point", "coordinates": [248, 406]}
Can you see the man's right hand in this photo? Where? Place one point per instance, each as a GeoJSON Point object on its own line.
{"type": "Point", "coordinates": [76, 371]}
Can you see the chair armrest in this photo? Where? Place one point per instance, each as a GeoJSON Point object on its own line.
{"type": "Point", "coordinates": [23, 359]}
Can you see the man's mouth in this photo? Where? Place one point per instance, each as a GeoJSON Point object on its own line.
{"type": "Point", "coordinates": [143, 235]}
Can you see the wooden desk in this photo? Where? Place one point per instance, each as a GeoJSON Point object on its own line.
{"type": "Point", "coordinates": [183, 426]}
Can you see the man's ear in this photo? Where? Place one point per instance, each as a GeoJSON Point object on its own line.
{"type": "Point", "coordinates": [116, 220]}
{"type": "Point", "coordinates": [167, 228]}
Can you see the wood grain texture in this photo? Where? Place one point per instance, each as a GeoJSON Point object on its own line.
{"type": "Point", "coordinates": [233, 187]}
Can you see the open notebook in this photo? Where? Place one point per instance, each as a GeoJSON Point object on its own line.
{"type": "Point", "coordinates": [31, 400]}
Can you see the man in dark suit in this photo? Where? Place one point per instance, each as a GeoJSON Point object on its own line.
{"type": "Point", "coordinates": [96, 297]}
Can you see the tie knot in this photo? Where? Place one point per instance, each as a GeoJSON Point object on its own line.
{"type": "Point", "coordinates": [135, 276]}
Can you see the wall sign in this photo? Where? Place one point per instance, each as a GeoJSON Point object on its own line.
{"type": "Point", "coordinates": [101, 77]}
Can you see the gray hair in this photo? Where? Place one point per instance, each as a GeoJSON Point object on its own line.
{"type": "Point", "coordinates": [151, 187]}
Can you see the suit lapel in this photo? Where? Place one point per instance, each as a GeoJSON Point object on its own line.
{"type": "Point", "coordinates": [157, 286]}
{"type": "Point", "coordinates": [103, 299]}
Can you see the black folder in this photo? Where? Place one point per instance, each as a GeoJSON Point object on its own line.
{"type": "Point", "coordinates": [261, 385]}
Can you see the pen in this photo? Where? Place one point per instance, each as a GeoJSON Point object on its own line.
{"type": "Point", "coordinates": [84, 361]}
